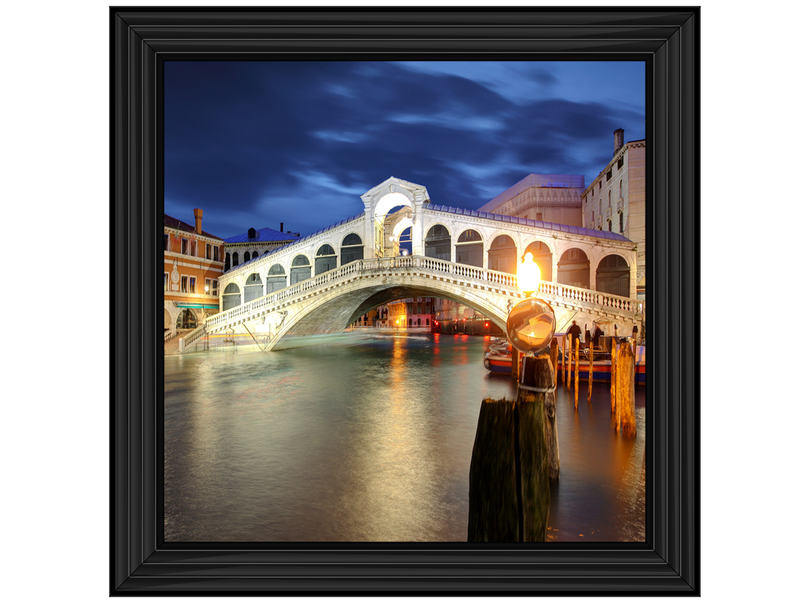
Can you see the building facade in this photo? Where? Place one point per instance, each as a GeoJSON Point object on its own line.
{"type": "Point", "coordinates": [254, 243]}
{"type": "Point", "coordinates": [552, 198]}
{"type": "Point", "coordinates": [193, 264]}
{"type": "Point", "coordinates": [615, 201]}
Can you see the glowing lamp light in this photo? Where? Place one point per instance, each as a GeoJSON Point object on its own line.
{"type": "Point", "coordinates": [528, 275]}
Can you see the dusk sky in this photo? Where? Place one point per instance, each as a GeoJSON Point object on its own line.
{"type": "Point", "coordinates": [254, 144]}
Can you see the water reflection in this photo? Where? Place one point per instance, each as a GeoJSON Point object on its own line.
{"type": "Point", "coordinates": [368, 442]}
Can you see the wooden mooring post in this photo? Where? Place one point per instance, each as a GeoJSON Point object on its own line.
{"type": "Point", "coordinates": [577, 367]}
{"type": "Point", "coordinates": [613, 376]}
{"type": "Point", "coordinates": [509, 476]}
{"type": "Point", "coordinates": [591, 370]}
{"type": "Point", "coordinates": [626, 414]}
{"type": "Point", "coordinates": [564, 359]}
{"type": "Point", "coordinates": [554, 359]}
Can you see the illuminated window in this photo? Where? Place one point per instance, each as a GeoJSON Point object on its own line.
{"type": "Point", "coordinates": [184, 284]}
{"type": "Point", "coordinates": [192, 284]}
{"type": "Point", "coordinates": [208, 286]}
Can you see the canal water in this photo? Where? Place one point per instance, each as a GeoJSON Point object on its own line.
{"type": "Point", "coordinates": [369, 438]}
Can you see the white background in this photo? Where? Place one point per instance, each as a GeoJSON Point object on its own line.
{"type": "Point", "coordinates": [55, 370]}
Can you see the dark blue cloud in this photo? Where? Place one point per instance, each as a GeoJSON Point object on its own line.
{"type": "Point", "coordinates": [259, 143]}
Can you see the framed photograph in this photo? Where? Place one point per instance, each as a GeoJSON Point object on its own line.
{"type": "Point", "coordinates": [348, 488]}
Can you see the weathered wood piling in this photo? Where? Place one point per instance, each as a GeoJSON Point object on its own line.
{"type": "Point", "coordinates": [554, 360]}
{"type": "Point", "coordinates": [613, 376]}
{"type": "Point", "coordinates": [626, 414]}
{"type": "Point", "coordinates": [509, 476]}
{"type": "Point", "coordinates": [591, 370]}
{"type": "Point", "coordinates": [577, 367]}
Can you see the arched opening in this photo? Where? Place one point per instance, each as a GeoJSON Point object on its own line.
{"type": "Point", "coordinates": [227, 263]}
{"type": "Point", "coordinates": [543, 258]}
{"type": "Point", "coordinates": [276, 279]}
{"type": "Point", "coordinates": [437, 243]}
{"type": "Point", "coordinates": [351, 249]}
{"type": "Point", "coordinates": [325, 259]}
{"type": "Point", "coordinates": [469, 249]}
{"type": "Point", "coordinates": [167, 320]}
{"type": "Point", "coordinates": [246, 256]}
{"type": "Point", "coordinates": [231, 296]}
{"type": "Point", "coordinates": [253, 287]}
{"type": "Point", "coordinates": [186, 319]}
{"type": "Point", "coordinates": [614, 276]}
{"type": "Point", "coordinates": [235, 259]}
{"type": "Point", "coordinates": [299, 269]}
{"type": "Point", "coordinates": [573, 268]}
{"type": "Point", "coordinates": [502, 255]}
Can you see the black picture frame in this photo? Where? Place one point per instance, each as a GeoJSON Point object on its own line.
{"type": "Point", "coordinates": [667, 40]}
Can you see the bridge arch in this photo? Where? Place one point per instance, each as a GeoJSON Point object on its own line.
{"type": "Point", "coordinates": [613, 275]}
{"type": "Point", "coordinates": [351, 248]}
{"type": "Point", "coordinates": [543, 253]}
{"type": "Point", "coordinates": [438, 242]}
{"type": "Point", "coordinates": [469, 248]}
{"type": "Point", "coordinates": [334, 310]}
{"type": "Point", "coordinates": [573, 268]}
{"type": "Point", "coordinates": [231, 296]}
{"type": "Point", "coordinates": [276, 279]}
{"type": "Point", "coordinates": [503, 254]}
{"type": "Point", "coordinates": [300, 269]}
{"type": "Point", "coordinates": [325, 259]}
{"type": "Point", "coordinates": [253, 287]}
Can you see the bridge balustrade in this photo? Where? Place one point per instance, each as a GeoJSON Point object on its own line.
{"type": "Point", "coordinates": [367, 266]}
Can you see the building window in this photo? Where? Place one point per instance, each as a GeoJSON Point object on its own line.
{"type": "Point", "coordinates": [192, 285]}
{"type": "Point", "coordinates": [184, 246]}
{"type": "Point", "coordinates": [208, 286]}
{"type": "Point", "coordinates": [215, 287]}
{"type": "Point", "coordinates": [609, 225]}
{"type": "Point", "coordinates": [184, 284]}
{"type": "Point", "coordinates": [609, 199]}
{"type": "Point", "coordinates": [235, 259]}
{"type": "Point", "coordinates": [216, 254]}
{"type": "Point", "coordinates": [166, 281]}
{"type": "Point", "coordinates": [621, 221]}
{"type": "Point", "coordinates": [608, 175]}
{"type": "Point", "coordinates": [192, 248]}
{"type": "Point", "coordinates": [246, 256]}
{"type": "Point", "coordinates": [539, 216]}
{"type": "Point", "coordinates": [620, 162]}
{"type": "Point", "coordinates": [209, 252]}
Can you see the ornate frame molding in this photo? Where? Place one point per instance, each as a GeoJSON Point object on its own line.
{"type": "Point", "coordinates": [667, 40]}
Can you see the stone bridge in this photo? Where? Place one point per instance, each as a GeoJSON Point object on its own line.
{"type": "Point", "coordinates": [328, 303]}
{"type": "Point", "coordinates": [324, 281]}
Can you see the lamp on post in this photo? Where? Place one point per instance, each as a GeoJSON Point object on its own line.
{"type": "Point", "coordinates": [531, 323]}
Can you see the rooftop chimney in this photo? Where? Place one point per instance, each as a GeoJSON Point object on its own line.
{"type": "Point", "coordinates": [619, 133]}
{"type": "Point", "coordinates": [281, 227]}
{"type": "Point", "coordinates": [198, 214]}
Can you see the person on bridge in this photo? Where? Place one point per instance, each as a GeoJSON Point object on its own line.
{"type": "Point", "coordinates": [574, 333]}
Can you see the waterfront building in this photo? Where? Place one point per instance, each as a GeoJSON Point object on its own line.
{"type": "Point", "coordinates": [254, 243]}
{"type": "Point", "coordinates": [615, 202]}
{"type": "Point", "coordinates": [543, 197]}
{"type": "Point", "coordinates": [193, 264]}
{"type": "Point", "coordinates": [411, 313]}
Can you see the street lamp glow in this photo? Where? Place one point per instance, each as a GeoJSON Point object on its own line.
{"type": "Point", "coordinates": [528, 275]}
